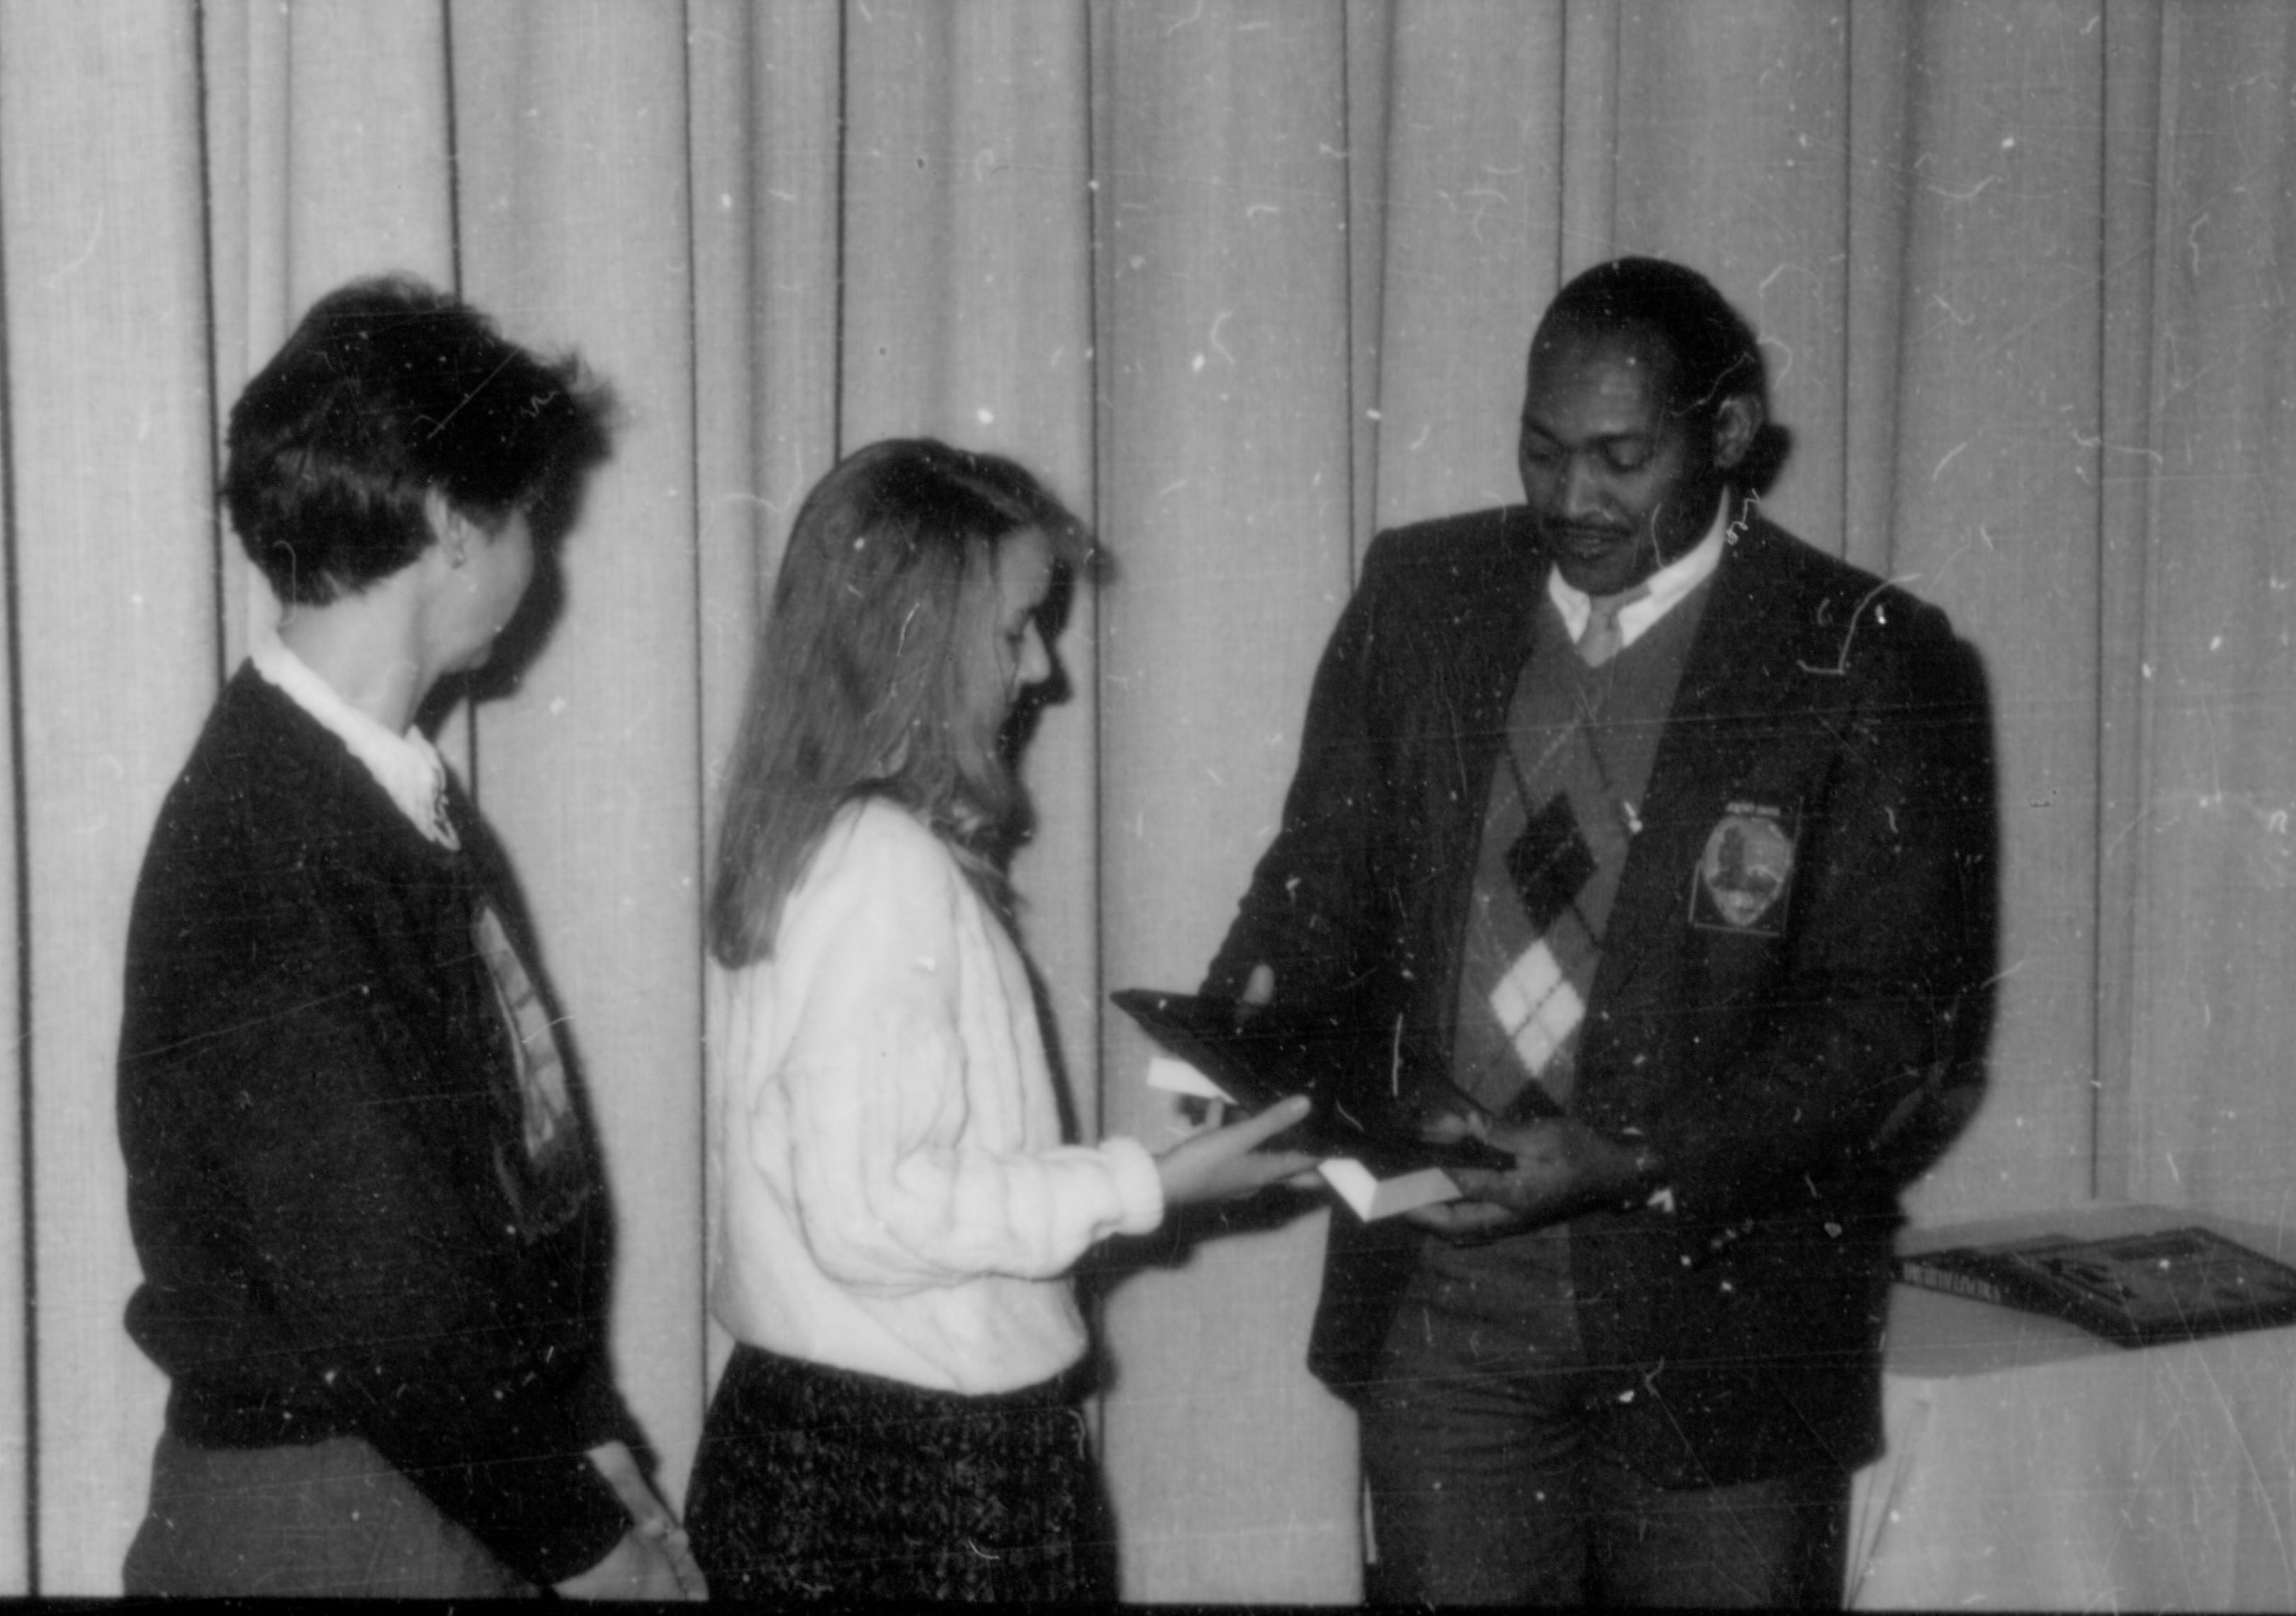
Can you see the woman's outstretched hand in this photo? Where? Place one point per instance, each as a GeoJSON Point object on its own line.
{"type": "Point", "coordinates": [1221, 1163]}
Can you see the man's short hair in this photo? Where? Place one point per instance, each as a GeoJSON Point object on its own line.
{"type": "Point", "coordinates": [389, 391]}
{"type": "Point", "coordinates": [1716, 353]}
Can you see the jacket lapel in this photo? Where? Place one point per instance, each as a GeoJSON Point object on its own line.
{"type": "Point", "coordinates": [1735, 668]}
{"type": "Point", "coordinates": [1470, 717]}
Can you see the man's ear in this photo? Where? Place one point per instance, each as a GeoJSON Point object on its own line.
{"type": "Point", "coordinates": [1737, 421]}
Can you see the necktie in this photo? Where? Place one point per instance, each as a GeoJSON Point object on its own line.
{"type": "Point", "coordinates": [1599, 642]}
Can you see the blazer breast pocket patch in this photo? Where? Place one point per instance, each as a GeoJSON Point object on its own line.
{"type": "Point", "coordinates": [1746, 872]}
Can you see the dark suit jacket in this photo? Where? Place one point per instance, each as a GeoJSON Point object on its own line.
{"type": "Point", "coordinates": [1794, 1070]}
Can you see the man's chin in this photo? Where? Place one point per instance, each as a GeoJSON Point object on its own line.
{"type": "Point", "coordinates": [1606, 574]}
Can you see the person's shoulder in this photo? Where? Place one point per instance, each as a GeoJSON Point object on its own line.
{"type": "Point", "coordinates": [878, 884]}
{"type": "Point", "coordinates": [1450, 566]}
{"type": "Point", "coordinates": [878, 825]}
{"type": "Point", "coordinates": [1444, 593]}
{"type": "Point", "coordinates": [244, 746]}
{"type": "Point", "coordinates": [874, 842]}
{"type": "Point", "coordinates": [256, 732]}
{"type": "Point", "coordinates": [1827, 611]}
{"type": "Point", "coordinates": [220, 871]}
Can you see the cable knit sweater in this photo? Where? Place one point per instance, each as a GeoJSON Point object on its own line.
{"type": "Point", "coordinates": [893, 1194]}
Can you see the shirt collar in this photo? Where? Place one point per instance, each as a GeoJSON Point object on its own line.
{"type": "Point", "coordinates": [1667, 587]}
{"type": "Point", "coordinates": [408, 767]}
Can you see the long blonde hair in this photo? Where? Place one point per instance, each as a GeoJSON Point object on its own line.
{"type": "Point", "coordinates": [864, 676]}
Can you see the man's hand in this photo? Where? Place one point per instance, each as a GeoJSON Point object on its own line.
{"type": "Point", "coordinates": [1448, 1116]}
{"type": "Point", "coordinates": [1561, 1168]}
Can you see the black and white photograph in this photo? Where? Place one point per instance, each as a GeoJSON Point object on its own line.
{"type": "Point", "coordinates": [1198, 803]}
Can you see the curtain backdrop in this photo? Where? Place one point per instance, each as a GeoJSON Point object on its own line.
{"type": "Point", "coordinates": [1245, 281]}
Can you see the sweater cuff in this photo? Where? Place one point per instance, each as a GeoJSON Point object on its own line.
{"type": "Point", "coordinates": [1139, 1187]}
{"type": "Point", "coordinates": [547, 1518]}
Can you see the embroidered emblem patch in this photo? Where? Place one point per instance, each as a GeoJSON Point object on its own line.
{"type": "Point", "coordinates": [1746, 871]}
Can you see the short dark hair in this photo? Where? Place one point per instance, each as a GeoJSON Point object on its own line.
{"type": "Point", "coordinates": [1716, 353]}
{"type": "Point", "coordinates": [863, 677]}
{"type": "Point", "coordinates": [389, 391]}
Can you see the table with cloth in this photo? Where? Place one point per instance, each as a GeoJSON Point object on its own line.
{"type": "Point", "coordinates": [2033, 1465]}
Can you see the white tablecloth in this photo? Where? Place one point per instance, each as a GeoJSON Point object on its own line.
{"type": "Point", "coordinates": [2031, 1466]}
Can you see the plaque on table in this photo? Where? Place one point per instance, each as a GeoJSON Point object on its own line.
{"type": "Point", "coordinates": [2134, 1290]}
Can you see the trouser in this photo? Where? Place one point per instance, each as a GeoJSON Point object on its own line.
{"type": "Point", "coordinates": [328, 1520]}
{"type": "Point", "coordinates": [1490, 1481]}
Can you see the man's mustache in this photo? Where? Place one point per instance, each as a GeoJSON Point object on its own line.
{"type": "Point", "coordinates": [1585, 532]}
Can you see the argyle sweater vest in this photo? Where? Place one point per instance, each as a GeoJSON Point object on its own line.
{"type": "Point", "coordinates": [1564, 807]}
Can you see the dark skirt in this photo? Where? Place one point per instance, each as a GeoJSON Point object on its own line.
{"type": "Point", "coordinates": [814, 1482]}
{"type": "Point", "coordinates": [331, 1520]}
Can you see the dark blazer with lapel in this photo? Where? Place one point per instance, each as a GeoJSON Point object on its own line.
{"type": "Point", "coordinates": [1794, 1072]}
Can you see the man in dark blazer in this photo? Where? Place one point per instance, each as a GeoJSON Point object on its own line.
{"type": "Point", "coordinates": [1665, 845]}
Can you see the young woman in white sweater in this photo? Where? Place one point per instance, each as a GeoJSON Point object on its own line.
{"type": "Point", "coordinates": [896, 1209]}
